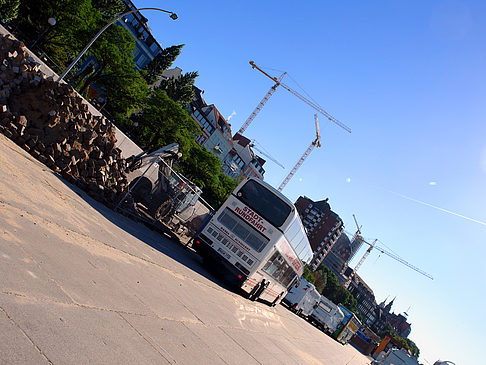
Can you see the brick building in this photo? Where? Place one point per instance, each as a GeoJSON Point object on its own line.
{"type": "Point", "coordinates": [365, 297]}
{"type": "Point", "coordinates": [323, 227]}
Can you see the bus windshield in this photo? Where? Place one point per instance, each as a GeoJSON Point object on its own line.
{"type": "Point", "coordinates": [264, 202]}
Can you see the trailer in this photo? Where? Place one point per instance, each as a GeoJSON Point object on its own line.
{"type": "Point", "coordinates": [162, 196]}
{"type": "Point", "coordinates": [326, 315]}
{"type": "Point", "coordinates": [302, 297]}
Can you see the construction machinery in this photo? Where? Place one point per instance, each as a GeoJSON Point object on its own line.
{"type": "Point", "coordinates": [260, 105]}
{"type": "Point", "coordinates": [304, 99]}
{"type": "Point", "coordinates": [315, 143]}
{"type": "Point", "coordinates": [389, 254]}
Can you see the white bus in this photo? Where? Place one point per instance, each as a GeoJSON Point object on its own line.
{"type": "Point", "coordinates": [256, 241]}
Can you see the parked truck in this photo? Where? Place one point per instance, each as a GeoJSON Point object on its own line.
{"type": "Point", "coordinates": [302, 297]}
{"type": "Point", "coordinates": [326, 315]}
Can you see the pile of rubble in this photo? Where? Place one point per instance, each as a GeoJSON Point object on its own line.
{"type": "Point", "coordinates": [51, 121]}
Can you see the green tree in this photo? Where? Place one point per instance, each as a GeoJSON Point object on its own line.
{"type": "Point", "coordinates": [334, 291]}
{"type": "Point", "coordinates": [114, 72]}
{"type": "Point", "coordinates": [161, 122]}
{"type": "Point", "coordinates": [180, 88]}
{"type": "Point", "coordinates": [320, 279]}
{"type": "Point", "coordinates": [409, 345]}
{"type": "Point", "coordinates": [202, 167]}
{"type": "Point", "coordinates": [109, 8]}
{"type": "Point", "coordinates": [160, 63]}
{"type": "Point", "coordinates": [77, 22]}
{"type": "Point", "coordinates": [308, 275]}
{"type": "Point", "coordinates": [64, 40]}
{"type": "Point", "coordinates": [9, 10]}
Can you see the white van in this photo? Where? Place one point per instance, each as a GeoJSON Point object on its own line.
{"type": "Point", "coordinates": [302, 297]}
{"type": "Point", "coordinates": [326, 315]}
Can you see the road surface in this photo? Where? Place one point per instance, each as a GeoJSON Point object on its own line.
{"type": "Point", "coordinates": [81, 284]}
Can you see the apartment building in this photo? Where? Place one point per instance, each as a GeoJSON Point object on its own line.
{"type": "Point", "coordinates": [323, 227]}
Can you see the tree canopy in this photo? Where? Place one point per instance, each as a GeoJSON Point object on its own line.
{"type": "Point", "coordinates": [77, 21]}
{"type": "Point", "coordinates": [162, 121]}
{"type": "Point", "coordinates": [160, 63]}
{"type": "Point", "coordinates": [9, 9]}
{"type": "Point", "coordinates": [109, 8]}
{"type": "Point", "coordinates": [332, 289]}
{"type": "Point", "coordinates": [180, 88]}
{"type": "Point", "coordinates": [153, 117]}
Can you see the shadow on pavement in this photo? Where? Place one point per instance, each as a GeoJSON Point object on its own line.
{"type": "Point", "coordinates": [158, 237]}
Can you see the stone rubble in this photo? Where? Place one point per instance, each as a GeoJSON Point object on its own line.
{"type": "Point", "coordinates": [51, 122]}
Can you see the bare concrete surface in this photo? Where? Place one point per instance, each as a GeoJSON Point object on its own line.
{"type": "Point", "coordinates": [81, 284]}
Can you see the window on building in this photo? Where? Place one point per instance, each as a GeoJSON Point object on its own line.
{"type": "Point", "coordinates": [141, 60]}
{"type": "Point", "coordinates": [153, 46]}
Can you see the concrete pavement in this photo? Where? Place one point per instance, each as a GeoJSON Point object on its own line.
{"type": "Point", "coordinates": [81, 284]}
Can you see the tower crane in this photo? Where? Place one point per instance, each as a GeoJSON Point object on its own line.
{"type": "Point", "coordinates": [357, 235]}
{"type": "Point", "coordinates": [316, 142]}
{"type": "Point", "coordinates": [389, 254]}
{"type": "Point", "coordinates": [261, 104]}
{"type": "Point", "coordinates": [358, 265]}
{"type": "Point", "coordinates": [252, 145]}
{"type": "Point", "coordinates": [304, 99]}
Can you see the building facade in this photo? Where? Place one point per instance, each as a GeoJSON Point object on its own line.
{"type": "Point", "coordinates": [146, 46]}
{"type": "Point", "coordinates": [237, 157]}
{"type": "Point", "coordinates": [340, 255]}
{"type": "Point", "coordinates": [366, 299]}
{"type": "Point", "coordinates": [243, 160]}
{"type": "Point", "coordinates": [398, 322]}
{"type": "Point", "coordinates": [215, 130]}
{"type": "Point", "coordinates": [323, 227]}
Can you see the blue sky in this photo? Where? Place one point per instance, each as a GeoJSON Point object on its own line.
{"type": "Point", "coordinates": [409, 78]}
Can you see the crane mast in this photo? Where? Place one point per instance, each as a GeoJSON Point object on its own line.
{"type": "Point", "coordinates": [316, 142]}
{"type": "Point", "coordinates": [358, 265]}
{"type": "Point", "coordinates": [260, 105]}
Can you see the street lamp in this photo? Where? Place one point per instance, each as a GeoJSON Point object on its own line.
{"type": "Point", "coordinates": [51, 22]}
{"type": "Point", "coordinates": [172, 15]}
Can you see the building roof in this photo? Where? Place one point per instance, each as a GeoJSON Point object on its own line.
{"type": "Point", "coordinates": [198, 99]}
{"type": "Point", "coordinates": [246, 143]}
{"type": "Point", "coordinates": [221, 122]}
{"type": "Point", "coordinates": [241, 140]}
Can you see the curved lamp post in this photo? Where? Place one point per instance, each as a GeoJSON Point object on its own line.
{"type": "Point", "coordinates": [51, 22]}
{"type": "Point", "coordinates": [172, 16]}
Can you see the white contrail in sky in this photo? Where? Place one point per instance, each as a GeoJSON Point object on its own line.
{"type": "Point", "coordinates": [438, 208]}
